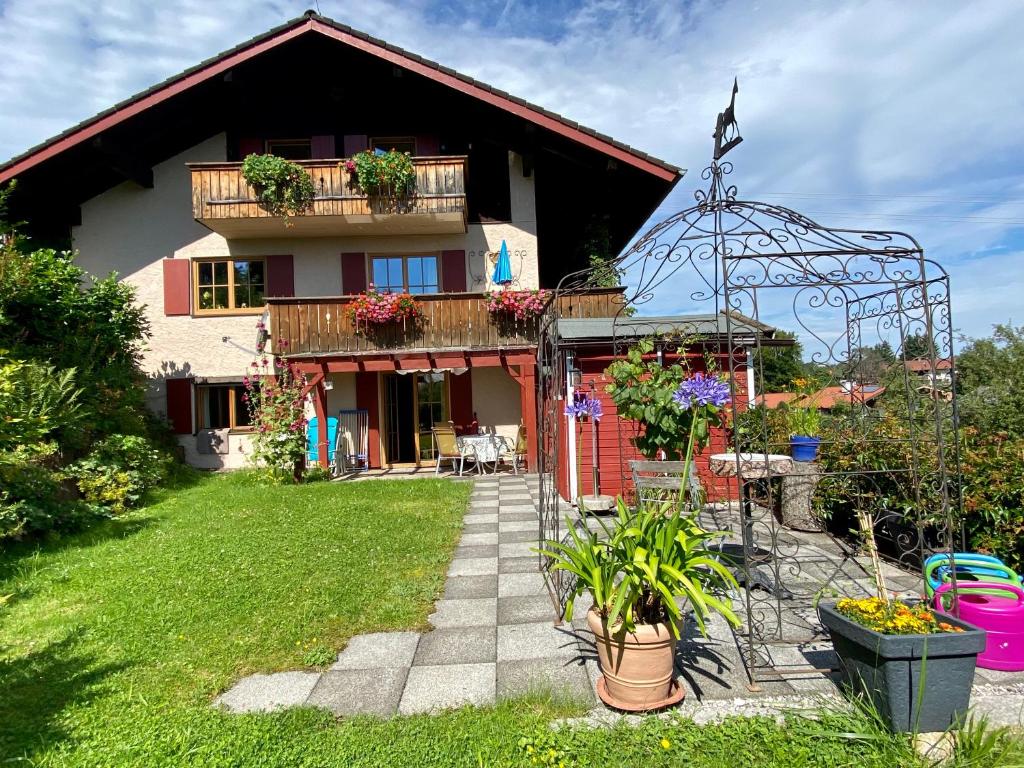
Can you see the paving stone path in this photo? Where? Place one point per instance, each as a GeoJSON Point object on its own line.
{"type": "Point", "coordinates": [494, 636]}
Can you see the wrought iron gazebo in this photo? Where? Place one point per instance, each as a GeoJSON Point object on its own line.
{"type": "Point", "coordinates": [753, 264]}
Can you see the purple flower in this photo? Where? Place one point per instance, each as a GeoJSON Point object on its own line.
{"type": "Point", "coordinates": [583, 405]}
{"type": "Point", "coordinates": [700, 390]}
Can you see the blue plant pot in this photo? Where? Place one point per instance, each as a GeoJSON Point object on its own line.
{"type": "Point", "coordinates": [804, 447]}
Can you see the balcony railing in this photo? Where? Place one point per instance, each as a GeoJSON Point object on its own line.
{"type": "Point", "coordinates": [323, 326]}
{"type": "Point", "coordinates": [223, 201]}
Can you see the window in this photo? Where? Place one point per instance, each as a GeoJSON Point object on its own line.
{"type": "Point", "coordinates": [397, 143]}
{"type": "Point", "coordinates": [291, 149]}
{"type": "Point", "coordinates": [229, 285]}
{"type": "Point", "coordinates": [220, 406]}
{"type": "Point", "coordinates": [415, 274]}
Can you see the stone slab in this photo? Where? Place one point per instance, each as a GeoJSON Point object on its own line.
{"type": "Point", "coordinates": [471, 586]}
{"type": "Point", "coordinates": [467, 612]}
{"type": "Point", "coordinates": [516, 537]}
{"type": "Point", "coordinates": [428, 689]}
{"type": "Point", "coordinates": [477, 518]}
{"type": "Point", "coordinates": [518, 549]}
{"type": "Point", "coordinates": [517, 564]}
{"type": "Point", "coordinates": [470, 539]}
{"type": "Point", "coordinates": [518, 516]}
{"type": "Point", "coordinates": [530, 609]}
{"type": "Point", "coordinates": [478, 528]}
{"type": "Point", "coordinates": [517, 642]}
{"type": "Point", "coordinates": [473, 566]}
{"type": "Point", "coordinates": [378, 649]}
{"type": "Point", "coordinates": [360, 691]}
{"type": "Point", "coordinates": [505, 525]}
{"type": "Point", "coordinates": [521, 584]}
{"type": "Point", "coordinates": [476, 551]}
{"type": "Point", "coordinates": [266, 693]}
{"type": "Point", "coordinates": [460, 645]}
{"type": "Point", "coordinates": [557, 677]}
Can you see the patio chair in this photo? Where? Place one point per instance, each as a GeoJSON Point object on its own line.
{"type": "Point", "coordinates": [448, 449]}
{"type": "Point", "coordinates": [657, 482]}
{"type": "Point", "coordinates": [514, 452]}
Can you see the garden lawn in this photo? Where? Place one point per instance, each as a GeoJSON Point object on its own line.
{"type": "Point", "coordinates": [113, 643]}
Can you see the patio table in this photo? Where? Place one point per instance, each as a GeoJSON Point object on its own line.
{"type": "Point", "coordinates": [486, 448]}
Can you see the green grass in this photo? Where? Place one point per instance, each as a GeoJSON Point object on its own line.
{"type": "Point", "coordinates": [114, 642]}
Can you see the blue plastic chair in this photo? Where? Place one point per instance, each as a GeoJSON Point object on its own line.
{"type": "Point", "coordinates": [312, 449]}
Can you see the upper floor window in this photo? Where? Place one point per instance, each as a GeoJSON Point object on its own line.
{"type": "Point", "coordinates": [291, 149]}
{"type": "Point", "coordinates": [229, 285]}
{"type": "Point", "coordinates": [415, 274]}
{"type": "Point", "coordinates": [397, 143]}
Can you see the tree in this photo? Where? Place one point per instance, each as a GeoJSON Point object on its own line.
{"type": "Point", "coordinates": [868, 365]}
{"type": "Point", "coordinates": [775, 368]}
{"type": "Point", "coordinates": [915, 345]}
{"type": "Point", "coordinates": [989, 376]}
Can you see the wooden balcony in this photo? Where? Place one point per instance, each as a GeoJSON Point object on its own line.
{"type": "Point", "coordinates": [222, 201]}
{"type": "Point", "coordinates": [323, 326]}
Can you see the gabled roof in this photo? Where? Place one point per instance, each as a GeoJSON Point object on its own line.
{"type": "Point", "coordinates": [828, 397]}
{"type": "Point", "coordinates": [923, 365]}
{"type": "Point", "coordinates": [775, 399]}
{"type": "Point", "coordinates": [313, 23]}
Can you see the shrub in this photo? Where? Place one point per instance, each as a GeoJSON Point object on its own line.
{"type": "Point", "coordinates": [282, 188]}
{"type": "Point", "coordinates": [992, 470]}
{"type": "Point", "coordinates": [115, 475]}
{"type": "Point", "coordinates": [33, 494]}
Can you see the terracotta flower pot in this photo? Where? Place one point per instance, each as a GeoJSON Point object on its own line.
{"type": "Point", "coordinates": [638, 667]}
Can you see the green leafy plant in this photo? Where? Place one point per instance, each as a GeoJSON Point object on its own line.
{"type": "Point", "coordinates": [803, 416]}
{"type": "Point", "coordinates": [282, 188]}
{"type": "Point", "coordinates": [118, 471]}
{"type": "Point", "coordinates": [385, 174]}
{"type": "Point", "coordinates": [644, 562]}
{"type": "Point", "coordinates": [643, 391]}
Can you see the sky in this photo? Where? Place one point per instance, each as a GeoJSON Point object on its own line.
{"type": "Point", "coordinates": [878, 115]}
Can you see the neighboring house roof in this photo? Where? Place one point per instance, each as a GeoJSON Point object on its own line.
{"type": "Point", "coordinates": [923, 365]}
{"type": "Point", "coordinates": [828, 397]}
{"type": "Point", "coordinates": [775, 399]}
{"type": "Point", "coordinates": [313, 23]}
{"type": "Point", "coordinates": [636, 328]}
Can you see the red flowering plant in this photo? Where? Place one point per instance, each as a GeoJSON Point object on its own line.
{"type": "Point", "coordinates": [520, 305]}
{"type": "Point", "coordinates": [373, 308]}
{"type": "Point", "coordinates": [273, 395]}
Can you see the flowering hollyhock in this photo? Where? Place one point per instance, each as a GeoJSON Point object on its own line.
{"type": "Point", "coordinates": [702, 390]}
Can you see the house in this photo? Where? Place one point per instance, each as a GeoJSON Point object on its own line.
{"type": "Point", "coordinates": [921, 367]}
{"type": "Point", "coordinates": [775, 399]}
{"type": "Point", "coordinates": [152, 188]}
{"type": "Point", "coordinates": [590, 345]}
{"type": "Point", "coordinates": [846, 394]}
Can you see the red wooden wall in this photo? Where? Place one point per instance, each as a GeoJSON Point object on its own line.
{"type": "Point", "coordinates": [614, 448]}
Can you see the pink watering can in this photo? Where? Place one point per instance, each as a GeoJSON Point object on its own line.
{"type": "Point", "coordinates": [999, 610]}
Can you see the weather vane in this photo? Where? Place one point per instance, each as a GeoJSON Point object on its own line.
{"type": "Point", "coordinates": [727, 132]}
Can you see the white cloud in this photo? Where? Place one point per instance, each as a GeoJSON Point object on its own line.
{"type": "Point", "coordinates": [836, 102]}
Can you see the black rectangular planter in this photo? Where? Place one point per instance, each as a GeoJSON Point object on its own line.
{"type": "Point", "coordinates": [918, 683]}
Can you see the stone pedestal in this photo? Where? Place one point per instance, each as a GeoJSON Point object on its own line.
{"type": "Point", "coordinates": [797, 495]}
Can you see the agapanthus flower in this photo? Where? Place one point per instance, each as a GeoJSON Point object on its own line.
{"type": "Point", "coordinates": [584, 405]}
{"type": "Point", "coordinates": [700, 389]}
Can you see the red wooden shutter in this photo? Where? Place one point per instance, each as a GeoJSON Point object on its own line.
{"type": "Point", "coordinates": [280, 275]}
{"type": "Point", "coordinates": [322, 147]}
{"type": "Point", "coordinates": [249, 146]}
{"type": "Point", "coordinates": [179, 405]}
{"type": "Point", "coordinates": [353, 273]}
{"type": "Point", "coordinates": [427, 146]}
{"type": "Point", "coordinates": [460, 396]}
{"type": "Point", "coordinates": [453, 271]}
{"type": "Point", "coordinates": [355, 144]}
{"type": "Point", "coordinates": [366, 397]}
{"type": "Point", "coordinates": [176, 286]}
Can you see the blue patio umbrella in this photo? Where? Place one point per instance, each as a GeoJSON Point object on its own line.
{"type": "Point", "coordinates": [503, 268]}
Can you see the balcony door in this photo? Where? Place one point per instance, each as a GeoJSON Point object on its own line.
{"type": "Point", "coordinates": [413, 404]}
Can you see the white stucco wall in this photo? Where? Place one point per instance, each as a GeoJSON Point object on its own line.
{"type": "Point", "coordinates": [496, 401]}
{"type": "Point", "coordinates": [131, 230]}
